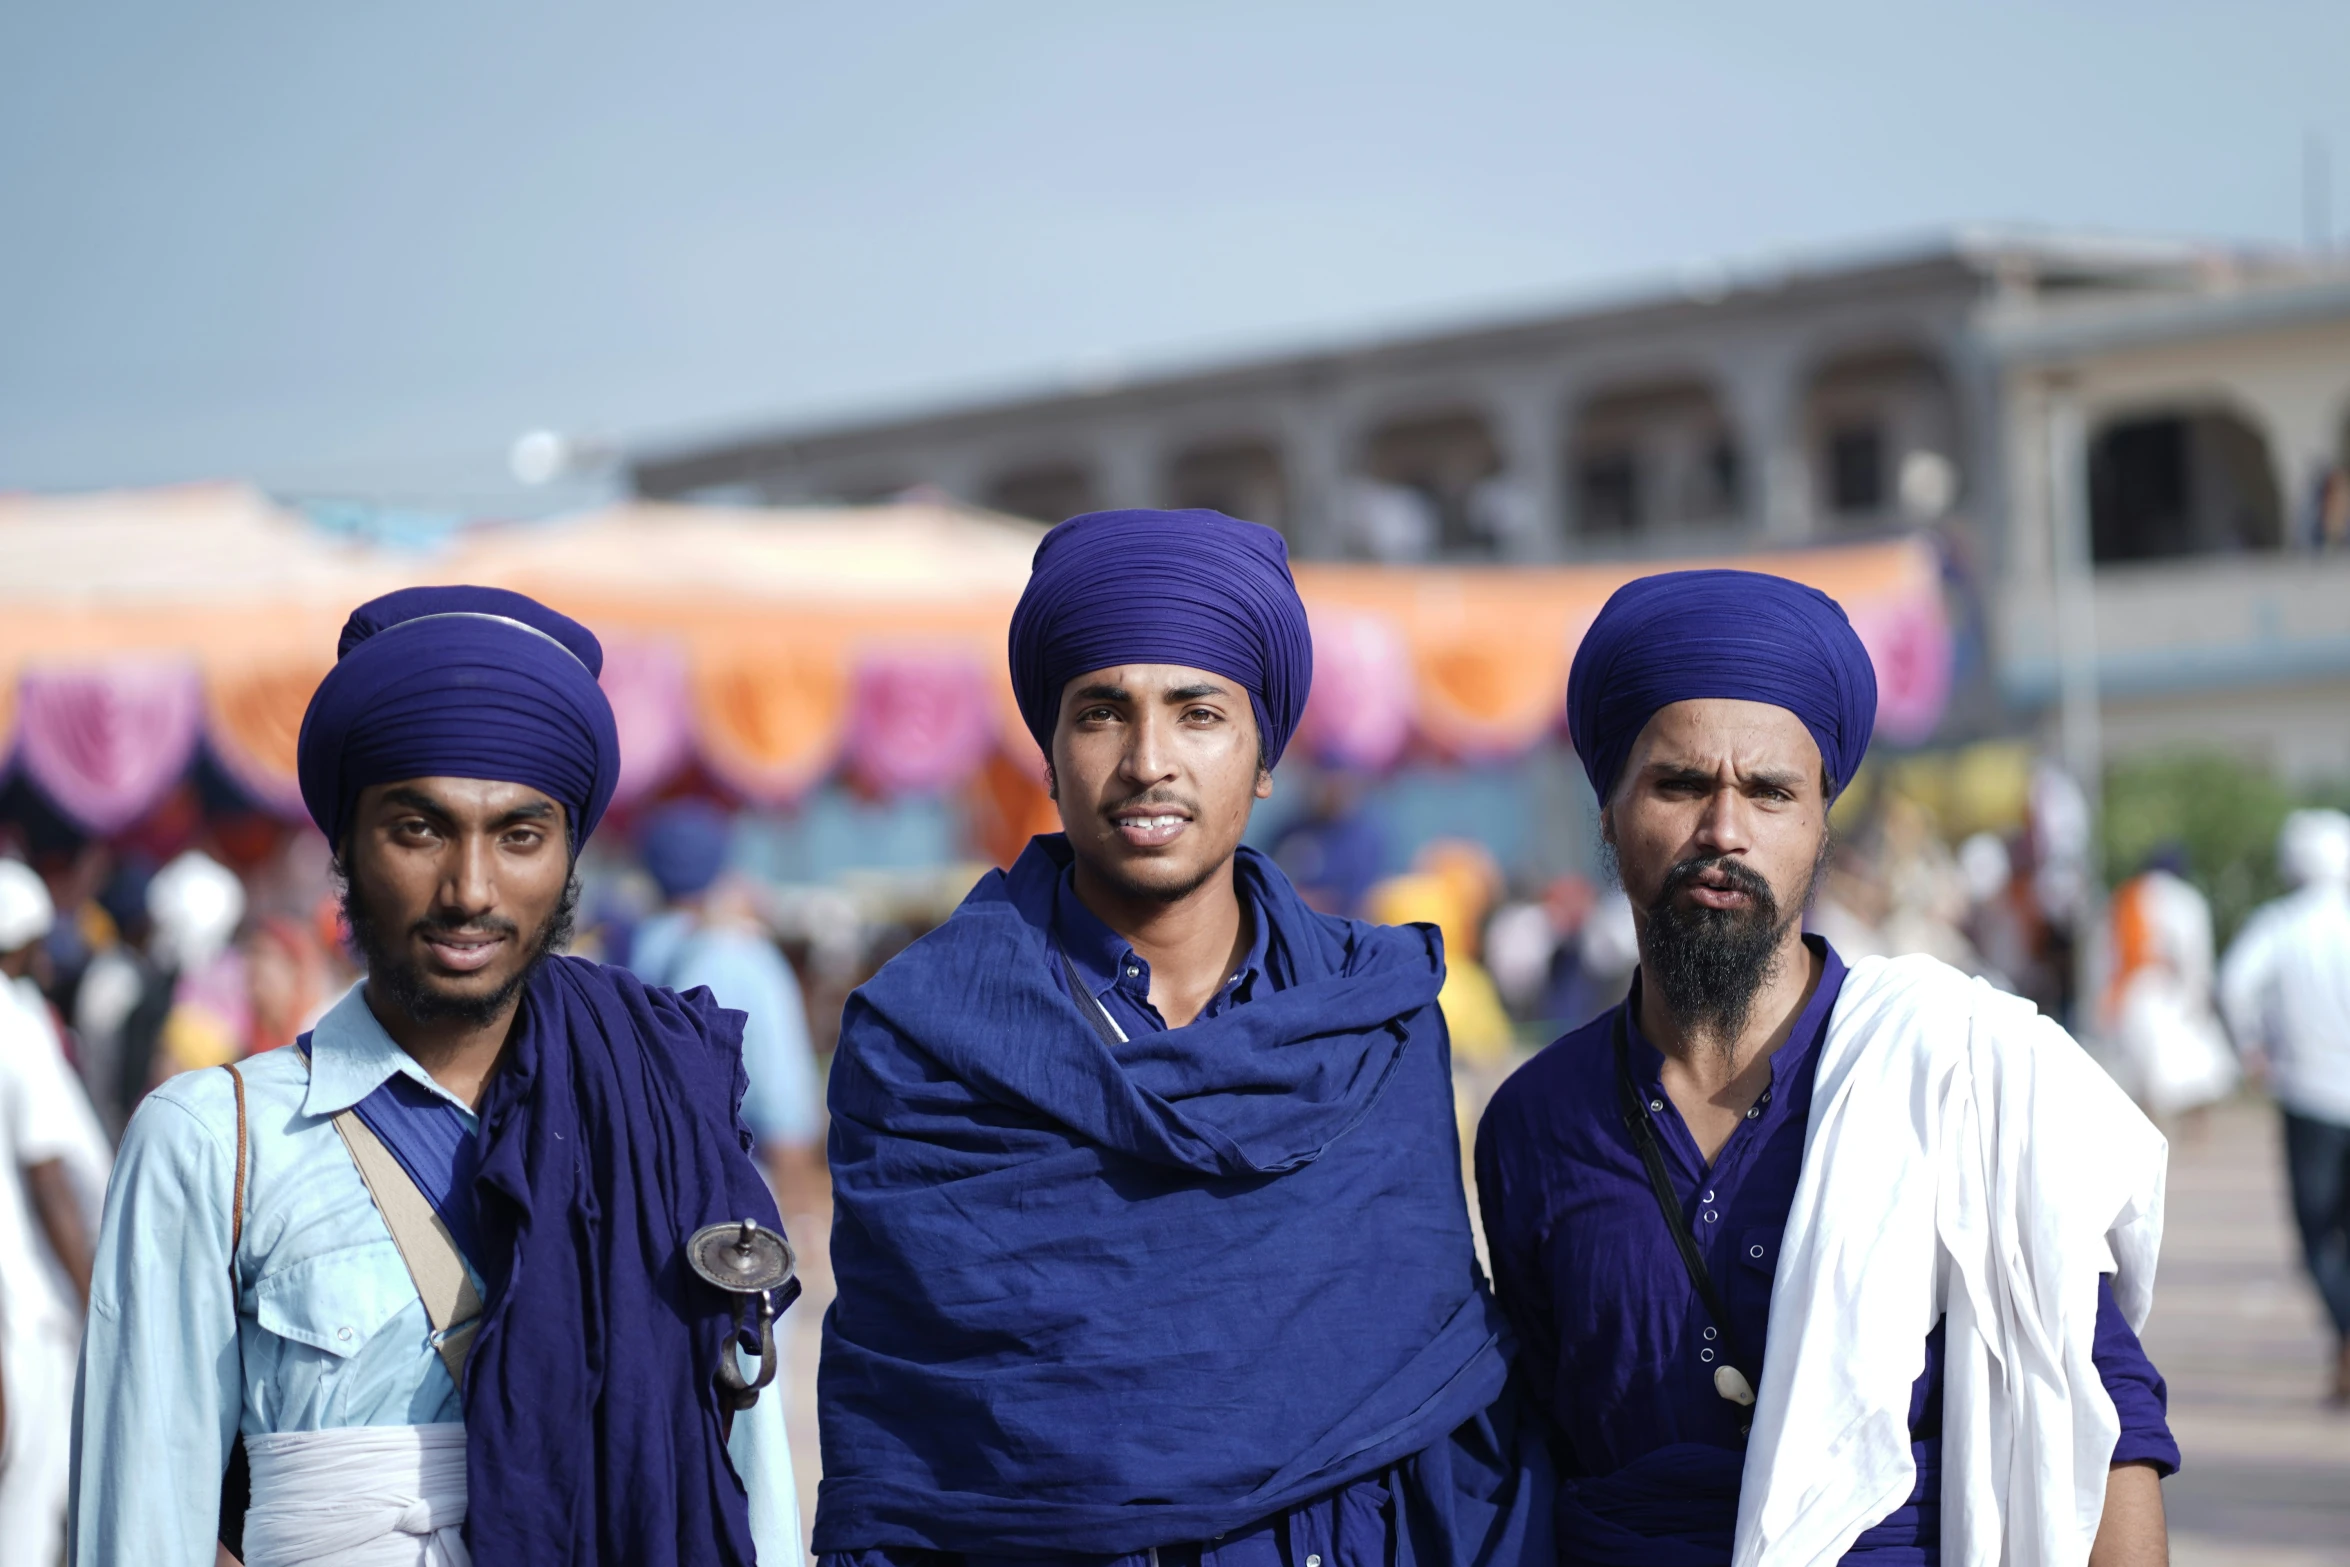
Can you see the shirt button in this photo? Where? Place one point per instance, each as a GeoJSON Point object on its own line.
{"type": "Point", "coordinates": [1754, 1113]}
{"type": "Point", "coordinates": [1754, 1251]}
{"type": "Point", "coordinates": [1709, 1333]}
{"type": "Point", "coordinates": [1708, 1197]}
{"type": "Point", "coordinates": [1314, 1561]}
{"type": "Point", "coordinates": [1706, 1355]}
{"type": "Point", "coordinates": [344, 1334]}
{"type": "Point", "coordinates": [1710, 1216]}
{"type": "Point", "coordinates": [1132, 972]}
{"type": "Point", "coordinates": [1656, 1105]}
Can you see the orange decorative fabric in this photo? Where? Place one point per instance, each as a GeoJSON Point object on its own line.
{"type": "Point", "coordinates": [770, 727]}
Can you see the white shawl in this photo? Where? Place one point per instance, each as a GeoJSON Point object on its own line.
{"type": "Point", "coordinates": [1964, 1156]}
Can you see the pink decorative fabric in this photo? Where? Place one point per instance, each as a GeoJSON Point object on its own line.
{"type": "Point", "coordinates": [1908, 638]}
{"type": "Point", "coordinates": [919, 722]}
{"type": "Point", "coordinates": [645, 681]}
{"type": "Point", "coordinates": [1360, 713]}
{"type": "Point", "coordinates": [106, 742]}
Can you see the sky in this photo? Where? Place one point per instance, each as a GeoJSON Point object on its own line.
{"type": "Point", "coordinates": [346, 249]}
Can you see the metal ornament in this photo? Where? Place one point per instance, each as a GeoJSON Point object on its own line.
{"type": "Point", "coordinates": [742, 1259]}
{"type": "Point", "coordinates": [749, 1263]}
{"type": "Point", "coordinates": [1731, 1383]}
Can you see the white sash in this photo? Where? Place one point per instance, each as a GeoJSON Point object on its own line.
{"type": "Point", "coordinates": [358, 1496]}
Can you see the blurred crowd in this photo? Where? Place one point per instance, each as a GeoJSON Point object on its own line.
{"type": "Point", "coordinates": [170, 950]}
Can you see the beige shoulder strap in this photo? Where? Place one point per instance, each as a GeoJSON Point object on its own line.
{"type": "Point", "coordinates": [236, 1212]}
{"type": "Point", "coordinates": [435, 1264]}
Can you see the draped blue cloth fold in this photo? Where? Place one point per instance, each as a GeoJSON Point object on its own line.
{"type": "Point", "coordinates": [1682, 635]}
{"type": "Point", "coordinates": [1196, 589]}
{"type": "Point", "coordinates": [1095, 1300]}
{"type": "Point", "coordinates": [611, 1133]}
{"type": "Point", "coordinates": [1676, 1506]}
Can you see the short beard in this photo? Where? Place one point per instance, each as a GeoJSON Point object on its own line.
{"type": "Point", "coordinates": [1142, 893]}
{"type": "Point", "coordinates": [1708, 965]}
{"type": "Point", "coordinates": [394, 977]}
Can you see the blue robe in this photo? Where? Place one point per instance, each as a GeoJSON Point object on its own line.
{"type": "Point", "coordinates": [1617, 1348]}
{"type": "Point", "coordinates": [1213, 1287]}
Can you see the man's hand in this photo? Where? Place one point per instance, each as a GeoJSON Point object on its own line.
{"type": "Point", "coordinates": [2132, 1532]}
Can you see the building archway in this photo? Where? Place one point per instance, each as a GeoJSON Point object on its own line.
{"type": "Point", "coordinates": [1448, 460]}
{"type": "Point", "coordinates": [1043, 491]}
{"type": "Point", "coordinates": [1648, 458]}
{"type": "Point", "coordinates": [1882, 428]}
{"type": "Point", "coordinates": [2173, 482]}
{"type": "Point", "coordinates": [1240, 477]}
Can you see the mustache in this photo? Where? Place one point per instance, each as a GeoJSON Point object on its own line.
{"type": "Point", "coordinates": [1734, 872]}
{"type": "Point", "coordinates": [445, 925]}
{"type": "Point", "coordinates": [1150, 800]}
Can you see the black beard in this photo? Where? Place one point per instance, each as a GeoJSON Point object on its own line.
{"type": "Point", "coordinates": [1708, 965]}
{"type": "Point", "coordinates": [396, 979]}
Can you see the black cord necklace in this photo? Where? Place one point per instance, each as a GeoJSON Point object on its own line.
{"type": "Point", "coordinates": [1731, 1380]}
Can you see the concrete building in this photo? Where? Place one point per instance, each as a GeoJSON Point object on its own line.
{"type": "Point", "coordinates": [2199, 399]}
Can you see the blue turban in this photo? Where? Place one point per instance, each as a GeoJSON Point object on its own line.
{"type": "Point", "coordinates": [1685, 635]}
{"type": "Point", "coordinates": [461, 682]}
{"type": "Point", "coordinates": [684, 846]}
{"type": "Point", "coordinates": [1193, 588]}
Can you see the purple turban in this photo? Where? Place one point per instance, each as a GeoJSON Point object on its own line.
{"type": "Point", "coordinates": [460, 682]}
{"type": "Point", "coordinates": [1194, 588]}
{"type": "Point", "coordinates": [1684, 635]}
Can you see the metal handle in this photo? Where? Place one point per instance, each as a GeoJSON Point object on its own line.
{"type": "Point", "coordinates": [733, 1391]}
{"type": "Point", "coordinates": [747, 1261]}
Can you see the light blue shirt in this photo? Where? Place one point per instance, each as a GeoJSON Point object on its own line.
{"type": "Point", "coordinates": [316, 1326]}
{"type": "Point", "coordinates": [679, 949]}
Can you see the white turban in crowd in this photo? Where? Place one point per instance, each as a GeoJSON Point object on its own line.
{"type": "Point", "coordinates": [2313, 848]}
{"type": "Point", "coordinates": [196, 904]}
{"type": "Point", "coordinates": [26, 914]}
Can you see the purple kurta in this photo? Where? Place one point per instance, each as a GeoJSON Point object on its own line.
{"type": "Point", "coordinates": [1613, 1341]}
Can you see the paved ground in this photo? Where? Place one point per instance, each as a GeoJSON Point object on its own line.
{"type": "Point", "coordinates": [2238, 1333]}
{"type": "Point", "coordinates": [2235, 1329]}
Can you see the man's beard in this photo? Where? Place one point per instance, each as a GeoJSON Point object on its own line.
{"type": "Point", "coordinates": [395, 978]}
{"type": "Point", "coordinates": [1708, 965]}
{"type": "Point", "coordinates": [1152, 892]}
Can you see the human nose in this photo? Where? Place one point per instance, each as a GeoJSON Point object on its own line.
{"type": "Point", "coordinates": [1723, 827]}
{"type": "Point", "coordinates": [470, 884]}
{"type": "Point", "coordinates": [1150, 756]}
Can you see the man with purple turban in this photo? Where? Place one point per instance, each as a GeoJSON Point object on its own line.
{"type": "Point", "coordinates": [418, 1290]}
{"type": "Point", "coordinates": [1149, 1229]}
{"type": "Point", "coordinates": [1809, 1261]}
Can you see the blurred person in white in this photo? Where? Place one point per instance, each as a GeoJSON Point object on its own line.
{"type": "Point", "coordinates": [196, 905]}
{"type": "Point", "coordinates": [2285, 987]}
{"type": "Point", "coordinates": [2158, 1011]}
{"type": "Point", "coordinates": [710, 935]}
{"type": "Point", "coordinates": [170, 994]}
{"type": "Point", "coordinates": [53, 1162]}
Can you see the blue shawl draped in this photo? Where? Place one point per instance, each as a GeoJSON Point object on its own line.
{"type": "Point", "coordinates": [610, 1134]}
{"type": "Point", "coordinates": [1096, 1301]}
